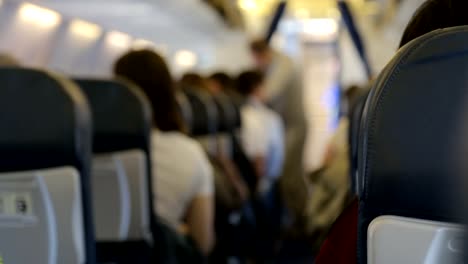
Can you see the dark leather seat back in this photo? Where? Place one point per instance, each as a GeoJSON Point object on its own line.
{"type": "Point", "coordinates": [355, 115]}
{"type": "Point", "coordinates": [204, 113]}
{"type": "Point", "coordinates": [413, 139]}
{"type": "Point", "coordinates": [121, 115]}
{"type": "Point", "coordinates": [122, 175]}
{"type": "Point", "coordinates": [45, 123]}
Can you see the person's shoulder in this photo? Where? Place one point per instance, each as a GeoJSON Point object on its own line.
{"type": "Point", "coordinates": [177, 140]}
{"type": "Point", "coordinates": [190, 144]}
{"type": "Point", "coordinates": [251, 113]}
{"type": "Point", "coordinates": [273, 116]}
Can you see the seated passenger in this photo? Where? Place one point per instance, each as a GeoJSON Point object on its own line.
{"type": "Point", "coordinates": [182, 175]}
{"type": "Point", "coordinates": [191, 80]}
{"type": "Point", "coordinates": [221, 82]}
{"type": "Point", "coordinates": [262, 131]}
{"type": "Point", "coordinates": [341, 244]}
{"type": "Point", "coordinates": [231, 189]}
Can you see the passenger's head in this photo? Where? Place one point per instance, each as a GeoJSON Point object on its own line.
{"type": "Point", "coordinates": [220, 81]}
{"type": "Point", "coordinates": [8, 60]}
{"type": "Point", "coordinates": [193, 80]}
{"type": "Point", "coordinates": [250, 83]}
{"type": "Point", "coordinates": [262, 53]}
{"type": "Point", "coordinates": [436, 14]}
{"type": "Point", "coordinates": [149, 71]}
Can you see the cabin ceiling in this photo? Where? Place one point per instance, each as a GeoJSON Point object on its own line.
{"type": "Point", "coordinates": [183, 22]}
{"type": "Point", "coordinates": [195, 22]}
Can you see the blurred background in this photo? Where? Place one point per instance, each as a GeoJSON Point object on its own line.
{"type": "Point", "coordinates": [84, 37]}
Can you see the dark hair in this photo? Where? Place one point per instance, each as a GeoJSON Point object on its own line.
{"type": "Point", "coordinates": [259, 46]}
{"type": "Point", "coordinates": [248, 81]}
{"type": "Point", "coordinates": [352, 93]}
{"type": "Point", "coordinates": [192, 80]}
{"type": "Point", "coordinates": [149, 71]}
{"type": "Point", "coordinates": [224, 80]}
{"type": "Point", "coordinates": [433, 15]}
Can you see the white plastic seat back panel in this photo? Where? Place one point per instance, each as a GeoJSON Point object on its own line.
{"type": "Point", "coordinates": [120, 196]}
{"type": "Point", "coordinates": [403, 240]}
{"type": "Point", "coordinates": [41, 217]}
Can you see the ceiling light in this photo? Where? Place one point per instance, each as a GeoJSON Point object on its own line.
{"type": "Point", "coordinates": [185, 58]}
{"type": "Point", "coordinates": [118, 39]}
{"type": "Point", "coordinates": [38, 15]}
{"type": "Point", "coordinates": [85, 29]}
{"type": "Point", "coordinates": [139, 44]}
{"type": "Point", "coordinates": [247, 5]}
{"type": "Point", "coordinates": [322, 28]}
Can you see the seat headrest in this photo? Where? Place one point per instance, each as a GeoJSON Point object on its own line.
{"type": "Point", "coordinates": [413, 139]}
{"type": "Point", "coordinates": [44, 121]}
{"type": "Point", "coordinates": [228, 114]}
{"type": "Point", "coordinates": [204, 113]}
{"type": "Point", "coordinates": [121, 115]}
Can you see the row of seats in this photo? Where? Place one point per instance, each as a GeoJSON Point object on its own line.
{"type": "Point", "coordinates": [45, 163]}
{"type": "Point", "coordinates": [408, 154]}
{"type": "Point", "coordinates": [121, 172]}
{"type": "Point", "coordinates": [66, 148]}
{"type": "Point", "coordinates": [74, 158]}
{"type": "Point", "coordinates": [215, 122]}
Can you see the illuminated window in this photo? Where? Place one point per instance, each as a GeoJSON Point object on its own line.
{"type": "Point", "coordinates": [38, 15]}
{"type": "Point", "coordinates": [139, 44]}
{"type": "Point", "coordinates": [85, 29]}
{"type": "Point", "coordinates": [118, 39]}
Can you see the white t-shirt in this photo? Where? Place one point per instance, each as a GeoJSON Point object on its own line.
{"type": "Point", "coordinates": [181, 172]}
{"type": "Point", "coordinates": [263, 135]}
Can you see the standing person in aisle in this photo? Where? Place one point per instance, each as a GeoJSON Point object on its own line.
{"type": "Point", "coordinates": [284, 92]}
{"type": "Point", "coordinates": [262, 131]}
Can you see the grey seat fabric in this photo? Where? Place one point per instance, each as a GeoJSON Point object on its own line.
{"type": "Point", "coordinates": [413, 142]}
{"type": "Point", "coordinates": [45, 147]}
{"type": "Point", "coordinates": [121, 175]}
